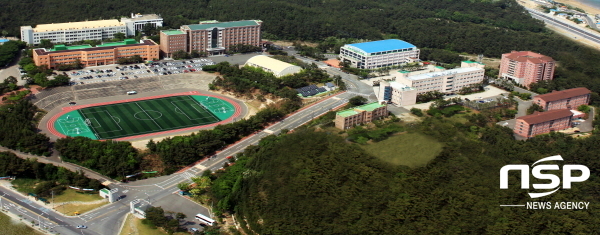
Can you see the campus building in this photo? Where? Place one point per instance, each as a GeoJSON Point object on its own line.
{"type": "Point", "coordinates": [277, 67]}
{"type": "Point", "coordinates": [87, 30]}
{"type": "Point", "coordinates": [565, 99]}
{"type": "Point", "coordinates": [358, 115]}
{"type": "Point", "coordinates": [436, 78]}
{"type": "Point", "coordinates": [378, 54]}
{"type": "Point", "coordinates": [397, 93]}
{"type": "Point", "coordinates": [107, 53]}
{"type": "Point", "coordinates": [138, 21]}
{"type": "Point", "coordinates": [526, 67]}
{"type": "Point", "coordinates": [215, 37]}
{"type": "Point", "coordinates": [543, 122]}
{"type": "Point", "coordinates": [172, 41]}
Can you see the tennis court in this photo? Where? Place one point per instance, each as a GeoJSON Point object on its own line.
{"type": "Point", "coordinates": [140, 117]}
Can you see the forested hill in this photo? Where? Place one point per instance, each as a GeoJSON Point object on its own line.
{"type": "Point", "coordinates": [439, 27]}
{"type": "Point", "coordinates": [317, 183]}
{"type": "Point", "coordinates": [288, 19]}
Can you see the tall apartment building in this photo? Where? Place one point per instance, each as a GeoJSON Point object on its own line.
{"type": "Point", "coordinates": [378, 54]}
{"type": "Point", "coordinates": [86, 30]}
{"type": "Point", "coordinates": [526, 67]}
{"type": "Point", "coordinates": [359, 115]}
{"type": "Point", "coordinates": [397, 93]}
{"type": "Point", "coordinates": [543, 122]}
{"type": "Point", "coordinates": [138, 21]}
{"type": "Point", "coordinates": [435, 78]}
{"type": "Point", "coordinates": [108, 53]}
{"type": "Point", "coordinates": [213, 37]}
{"type": "Point", "coordinates": [565, 99]}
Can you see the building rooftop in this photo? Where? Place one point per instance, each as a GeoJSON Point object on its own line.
{"type": "Point", "coordinates": [564, 94]}
{"type": "Point", "coordinates": [122, 43]}
{"type": "Point", "coordinates": [472, 62]}
{"type": "Point", "coordinates": [43, 51]}
{"type": "Point", "coordinates": [400, 86]}
{"type": "Point", "coordinates": [528, 56]}
{"type": "Point", "coordinates": [383, 45]}
{"type": "Point", "coordinates": [223, 24]}
{"type": "Point", "coordinates": [172, 32]}
{"type": "Point", "coordinates": [77, 25]}
{"type": "Point", "coordinates": [358, 109]}
{"type": "Point", "coordinates": [267, 62]}
{"type": "Point", "coordinates": [541, 117]}
{"type": "Point", "coordinates": [139, 16]}
{"type": "Point", "coordinates": [444, 73]}
{"type": "Point", "coordinates": [63, 47]}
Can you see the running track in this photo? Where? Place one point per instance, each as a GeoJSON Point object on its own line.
{"type": "Point", "coordinates": [238, 111]}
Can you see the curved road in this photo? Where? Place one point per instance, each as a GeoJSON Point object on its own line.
{"type": "Point", "coordinates": [161, 191]}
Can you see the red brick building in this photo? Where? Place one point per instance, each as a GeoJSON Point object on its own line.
{"type": "Point", "coordinates": [211, 37]}
{"type": "Point", "coordinates": [565, 99]}
{"type": "Point", "coordinates": [172, 41]}
{"type": "Point", "coordinates": [543, 122]}
{"type": "Point", "coordinates": [526, 67]}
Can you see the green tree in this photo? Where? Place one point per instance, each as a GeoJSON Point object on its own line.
{"type": "Point", "coordinates": [119, 36]}
{"type": "Point", "coordinates": [46, 43]}
{"type": "Point", "coordinates": [416, 111]}
{"type": "Point", "coordinates": [534, 108]}
{"type": "Point", "coordinates": [584, 108]}
{"type": "Point", "coordinates": [357, 100]}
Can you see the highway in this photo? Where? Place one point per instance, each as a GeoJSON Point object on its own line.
{"type": "Point", "coordinates": [595, 37]}
{"type": "Point", "coordinates": [162, 191]}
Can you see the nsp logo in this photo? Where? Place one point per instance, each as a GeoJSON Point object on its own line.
{"type": "Point", "coordinates": [567, 176]}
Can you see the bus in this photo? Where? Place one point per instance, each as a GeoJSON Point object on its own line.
{"type": "Point", "coordinates": [205, 220]}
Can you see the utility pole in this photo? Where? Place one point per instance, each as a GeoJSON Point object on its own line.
{"type": "Point", "coordinates": [52, 198]}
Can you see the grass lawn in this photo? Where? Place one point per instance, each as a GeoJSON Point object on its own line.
{"type": "Point", "coordinates": [410, 149]}
{"type": "Point", "coordinates": [134, 226]}
{"type": "Point", "coordinates": [71, 195]}
{"type": "Point", "coordinates": [24, 185]}
{"type": "Point", "coordinates": [11, 226]}
{"type": "Point", "coordinates": [70, 209]}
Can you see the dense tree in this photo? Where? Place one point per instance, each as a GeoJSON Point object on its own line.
{"type": "Point", "coordinates": [19, 131]}
{"type": "Point", "coordinates": [357, 100]}
{"type": "Point", "coordinates": [111, 158]}
{"type": "Point", "coordinates": [53, 178]}
{"type": "Point", "coordinates": [9, 51]}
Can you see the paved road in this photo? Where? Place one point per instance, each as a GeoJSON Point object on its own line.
{"type": "Point", "coordinates": [49, 220]}
{"type": "Point", "coordinates": [594, 37]}
{"type": "Point", "coordinates": [161, 191]}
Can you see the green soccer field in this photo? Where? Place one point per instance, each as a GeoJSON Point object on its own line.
{"type": "Point", "coordinates": [143, 117]}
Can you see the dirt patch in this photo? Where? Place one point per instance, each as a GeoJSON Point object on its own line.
{"type": "Point", "coordinates": [489, 62]}
{"type": "Point", "coordinates": [407, 117]}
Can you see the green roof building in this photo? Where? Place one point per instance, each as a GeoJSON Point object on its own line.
{"type": "Point", "coordinates": [361, 114]}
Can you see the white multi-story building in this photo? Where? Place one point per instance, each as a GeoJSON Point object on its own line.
{"type": "Point", "coordinates": [397, 93]}
{"type": "Point", "coordinates": [378, 54]}
{"type": "Point", "coordinates": [86, 30]}
{"type": "Point", "coordinates": [435, 78]}
{"type": "Point", "coordinates": [137, 22]}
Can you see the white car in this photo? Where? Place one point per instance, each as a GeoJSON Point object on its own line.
{"type": "Point", "coordinates": [81, 226]}
{"type": "Point", "coordinates": [132, 92]}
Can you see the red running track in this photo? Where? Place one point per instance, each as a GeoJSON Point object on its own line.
{"type": "Point", "coordinates": [238, 111]}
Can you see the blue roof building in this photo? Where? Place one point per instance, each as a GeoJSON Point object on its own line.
{"type": "Point", "coordinates": [378, 54]}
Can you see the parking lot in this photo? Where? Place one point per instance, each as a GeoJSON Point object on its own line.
{"type": "Point", "coordinates": [115, 72]}
{"type": "Point", "coordinates": [179, 66]}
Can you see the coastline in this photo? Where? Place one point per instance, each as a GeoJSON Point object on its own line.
{"type": "Point", "coordinates": [590, 9]}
